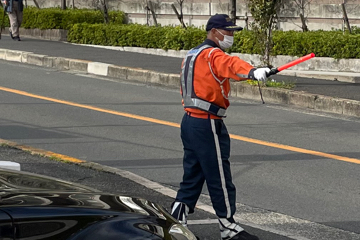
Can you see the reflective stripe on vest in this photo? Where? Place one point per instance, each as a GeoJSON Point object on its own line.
{"type": "Point", "coordinates": [188, 94]}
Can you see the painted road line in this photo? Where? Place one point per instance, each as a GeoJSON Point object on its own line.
{"type": "Point", "coordinates": [295, 149]}
{"type": "Point", "coordinates": [167, 123]}
{"type": "Point", "coordinates": [40, 152]}
{"type": "Point", "coordinates": [123, 114]}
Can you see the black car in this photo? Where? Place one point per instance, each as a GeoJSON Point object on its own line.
{"type": "Point", "coordinates": [38, 207]}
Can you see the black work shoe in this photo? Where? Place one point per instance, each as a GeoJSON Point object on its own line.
{"type": "Point", "coordinates": [16, 38]}
{"type": "Point", "coordinates": [243, 235]}
{"type": "Point", "coordinates": [11, 35]}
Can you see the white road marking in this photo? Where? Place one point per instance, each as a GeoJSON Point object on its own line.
{"type": "Point", "coordinates": [202, 221]}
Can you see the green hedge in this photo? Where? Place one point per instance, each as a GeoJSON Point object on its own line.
{"type": "Point", "coordinates": [333, 44]}
{"type": "Point", "coordinates": [6, 23]}
{"type": "Point", "coordinates": [136, 35]}
{"type": "Point", "coordinates": [55, 18]}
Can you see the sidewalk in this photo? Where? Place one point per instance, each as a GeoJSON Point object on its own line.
{"type": "Point", "coordinates": [314, 92]}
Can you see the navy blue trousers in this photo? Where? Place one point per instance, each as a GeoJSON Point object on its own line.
{"type": "Point", "coordinates": [206, 158]}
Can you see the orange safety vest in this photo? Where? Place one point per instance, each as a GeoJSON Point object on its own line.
{"type": "Point", "coordinates": [205, 75]}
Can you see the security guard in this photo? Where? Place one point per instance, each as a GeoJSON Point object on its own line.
{"type": "Point", "coordinates": [14, 8]}
{"type": "Point", "coordinates": [205, 89]}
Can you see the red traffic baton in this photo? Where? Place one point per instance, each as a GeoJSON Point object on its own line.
{"type": "Point", "coordinates": [290, 64]}
{"type": "Point", "coordinates": [286, 66]}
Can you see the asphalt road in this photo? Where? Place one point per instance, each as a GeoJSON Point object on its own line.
{"type": "Point", "coordinates": [285, 161]}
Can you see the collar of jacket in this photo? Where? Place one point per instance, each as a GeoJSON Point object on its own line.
{"type": "Point", "coordinates": [208, 42]}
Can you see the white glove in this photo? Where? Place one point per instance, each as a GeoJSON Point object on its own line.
{"type": "Point", "coordinates": [260, 73]}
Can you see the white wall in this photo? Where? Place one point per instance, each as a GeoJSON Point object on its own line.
{"type": "Point", "coordinates": [321, 14]}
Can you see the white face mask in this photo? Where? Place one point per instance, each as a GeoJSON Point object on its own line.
{"type": "Point", "coordinates": [227, 42]}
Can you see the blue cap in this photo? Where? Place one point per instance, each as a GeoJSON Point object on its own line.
{"type": "Point", "coordinates": [222, 21]}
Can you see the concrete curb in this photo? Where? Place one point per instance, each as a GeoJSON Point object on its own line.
{"type": "Point", "coordinates": [239, 89]}
{"type": "Point", "coordinates": [47, 34]}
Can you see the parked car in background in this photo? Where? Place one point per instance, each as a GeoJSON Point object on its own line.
{"type": "Point", "coordinates": [38, 207]}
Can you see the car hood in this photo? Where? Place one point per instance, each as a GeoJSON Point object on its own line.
{"type": "Point", "coordinates": [82, 202]}
{"type": "Point", "coordinates": [27, 190]}
{"type": "Point", "coordinates": [23, 181]}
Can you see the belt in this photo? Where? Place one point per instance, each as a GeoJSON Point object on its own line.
{"type": "Point", "coordinates": [203, 115]}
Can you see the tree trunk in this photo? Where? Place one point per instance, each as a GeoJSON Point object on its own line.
{"type": "Point", "coordinates": [303, 23]}
{"type": "Point", "coordinates": [345, 17]}
{"type": "Point", "coordinates": [63, 4]}
{"type": "Point", "coordinates": [36, 4]}
{"type": "Point", "coordinates": [102, 6]}
{"type": "Point", "coordinates": [233, 11]}
{"type": "Point", "coordinates": [106, 14]}
{"type": "Point", "coordinates": [151, 6]}
{"type": "Point", "coordinates": [179, 16]}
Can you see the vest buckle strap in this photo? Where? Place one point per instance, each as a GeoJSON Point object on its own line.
{"type": "Point", "coordinates": [208, 107]}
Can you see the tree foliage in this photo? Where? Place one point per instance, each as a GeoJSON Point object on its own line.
{"type": "Point", "coordinates": [265, 15]}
